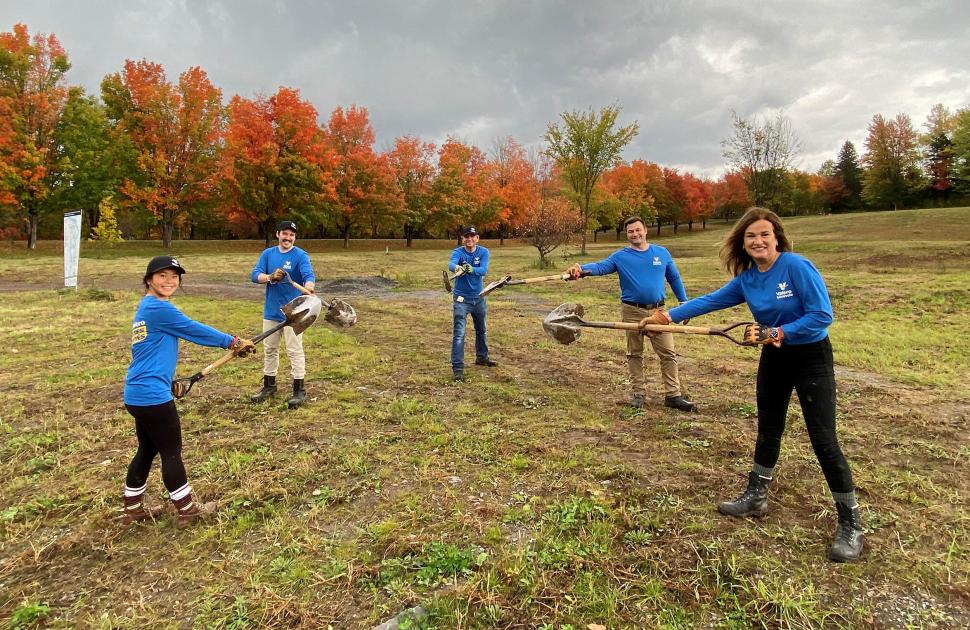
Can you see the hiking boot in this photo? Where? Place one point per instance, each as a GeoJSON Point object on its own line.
{"type": "Point", "coordinates": [486, 362]}
{"type": "Point", "coordinates": [637, 401]}
{"type": "Point", "coordinates": [458, 376]}
{"type": "Point", "coordinates": [269, 388]}
{"type": "Point", "coordinates": [680, 403]}
{"type": "Point", "coordinates": [299, 394]}
{"type": "Point", "coordinates": [752, 502]}
{"type": "Point", "coordinates": [190, 510]}
{"type": "Point", "coordinates": [847, 545]}
{"type": "Point", "coordinates": [135, 510]}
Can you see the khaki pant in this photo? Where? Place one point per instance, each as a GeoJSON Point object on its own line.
{"type": "Point", "coordinates": [294, 350]}
{"type": "Point", "coordinates": [663, 345]}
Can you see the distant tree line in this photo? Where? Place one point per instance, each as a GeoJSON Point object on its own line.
{"type": "Point", "coordinates": [163, 159]}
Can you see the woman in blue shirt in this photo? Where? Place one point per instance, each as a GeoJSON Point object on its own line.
{"type": "Point", "coordinates": [155, 331]}
{"type": "Point", "coordinates": [787, 295]}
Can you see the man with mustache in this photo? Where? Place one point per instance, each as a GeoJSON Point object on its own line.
{"type": "Point", "coordinates": [272, 268]}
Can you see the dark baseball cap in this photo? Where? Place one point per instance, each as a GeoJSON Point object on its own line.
{"type": "Point", "coordinates": [469, 230]}
{"type": "Point", "coordinates": [286, 225]}
{"type": "Point", "coordinates": [158, 263]}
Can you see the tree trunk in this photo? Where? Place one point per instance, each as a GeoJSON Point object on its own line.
{"type": "Point", "coordinates": [345, 233]}
{"type": "Point", "coordinates": [409, 234]}
{"type": "Point", "coordinates": [658, 227]}
{"type": "Point", "coordinates": [32, 230]}
{"type": "Point", "coordinates": [167, 233]}
{"type": "Point", "coordinates": [690, 226]}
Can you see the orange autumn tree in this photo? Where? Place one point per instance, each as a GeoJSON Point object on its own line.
{"type": "Point", "coordinates": [516, 186]}
{"type": "Point", "coordinates": [630, 186]}
{"type": "Point", "coordinates": [176, 130]}
{"type": "Point", "coordinates": [697, 202]}
{"type": "Point", "coordinates": [730, 196]}
{"type": "Point", "coordinates": [553, 218]}
{"type": "Point", "coordinates": [276, 163]}
{"type": "Point", "coordinates": [364, 190]}
{"type": "Point", "coordinates": [412, 163]}
{"type": "Point", "coordinates": [464, 191]}
{"type": "Point", "coordinates": [32, 97]}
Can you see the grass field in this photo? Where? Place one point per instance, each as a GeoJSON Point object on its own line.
{"type": "Point", "coordinates": [526, 497]}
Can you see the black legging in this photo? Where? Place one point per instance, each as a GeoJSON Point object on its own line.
{"type": "Point", "coordinates": [159, 433]}
{"type": "Point", "coordinates": [808, 369]}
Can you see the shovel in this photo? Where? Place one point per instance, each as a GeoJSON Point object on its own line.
{"type": "Point", "coordinates": [507, 281]}
{"type": "Point", "coordinates": [446, 278]}
{"type": "Point", "coordinates": [563, 324]}
{"type": "Point", "coordinates": [300, 313]}
{"type": "Point", "coordinates": [338, 312]}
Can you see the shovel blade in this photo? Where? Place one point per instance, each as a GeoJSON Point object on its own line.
{"type": "Point", "coordinates": [341, 313]}
{"type": "Point", "coordinates": [301, 312]}
{"type": "Point", "coordinates": [563, 323]}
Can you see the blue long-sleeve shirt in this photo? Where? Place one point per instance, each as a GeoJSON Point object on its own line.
{"type": "Point", "coordinates": [469, 285]}
{"type": "Point", "coordinates": [297, 263]}
{"type": "Point", "coordinates": [642, 274]}
{"type": "Point", "coordinates": [155, 332]}
{"type": "Point", "coordinates": [791, 295]}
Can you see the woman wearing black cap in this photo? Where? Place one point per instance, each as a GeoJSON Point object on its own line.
{"type": "Point", "coordinates": [155, 331]}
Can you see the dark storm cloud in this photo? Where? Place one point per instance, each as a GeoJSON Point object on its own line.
{"type": "Point", "coordinates": [484, 70]}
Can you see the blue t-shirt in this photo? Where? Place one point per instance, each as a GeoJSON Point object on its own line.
{"type": "Point", "coordinates": [791, 295]}
{"type": "Point", "coordinates": [297, 263]}
{"type": "Point", "coordinates": [469, 285]}
{"type": "Point", "coordinates": [155, 332]}
{"type": "Point", "coordinates": [642, 274]}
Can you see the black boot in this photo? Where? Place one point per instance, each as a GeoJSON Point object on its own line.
{"type": "Point", "coordinates": [848, 535]}
{"type": "Point", "coordinates": [299, 394]}
{"type": "Point", "coordinates": [269, 388]}
{"type": "Point", "coordinates": [754, 500]}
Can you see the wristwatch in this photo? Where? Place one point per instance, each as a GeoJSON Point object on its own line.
{"type": "Point", "coordinates": [773, 334]}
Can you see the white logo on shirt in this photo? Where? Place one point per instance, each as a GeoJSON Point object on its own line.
{"type": "Point", "coordinates": [287, 265]}
{"type": "Point", "coordinates": [783, 291]}
{"type": "Point", "coordinates": [476, 261]}
{"type": "Point", "coordinates": [656, 260]}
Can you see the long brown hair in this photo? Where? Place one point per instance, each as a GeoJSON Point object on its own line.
{"type": "Point", "coordinates": [733, 256]}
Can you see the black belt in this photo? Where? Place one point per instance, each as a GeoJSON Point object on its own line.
{"type": "Point", "coordinates": [644, 306]}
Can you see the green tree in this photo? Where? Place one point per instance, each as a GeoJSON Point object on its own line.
{"type": "Point", "coordinates": [586, 145]}
{"type": "Point", "coordinates": [849, 171]}
{"type": "Point", "coordinates": [938, 151]}
{"type": "Point", "coordinates": [763, 151]}
{"type": "Point", "coordinates": [892, 176]}
{"type": "Point", "coordinates": [961, 150]}
{"type": "Point", "coordinates": [90, 158]}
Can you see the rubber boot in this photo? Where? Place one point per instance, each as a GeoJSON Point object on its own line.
{"type": "Point", "coordinates": [754, 500]}
{"type": "Point", "coordinates": [190, 510]}
{"type": "Point", "coordinates": [847, 545]}
{"type": "Point", "coordinates": [135, 509]}
{"type": "Point", "coordinates": [269, 388]}
{"type": "Point", "coordinates": [299, 394]}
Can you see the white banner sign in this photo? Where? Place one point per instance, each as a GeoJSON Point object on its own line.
{"type": "Point", "coordinates": [72, 246]}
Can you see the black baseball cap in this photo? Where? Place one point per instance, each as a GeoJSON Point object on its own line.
{"type": "Point", "coordinates": [158, 263]}
{"type": "Point", "coordinates": [286, 225]}
{"type": "Point", "coordinates": [469, 230]}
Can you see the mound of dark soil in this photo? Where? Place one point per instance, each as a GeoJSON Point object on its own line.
{"type": "Point", "coordinates": [367, 285]}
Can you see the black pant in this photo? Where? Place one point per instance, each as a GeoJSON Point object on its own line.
{"type": "Point", "coordinates": [808, 369]}
{"type": "Point", "coordinates": [159, 433]}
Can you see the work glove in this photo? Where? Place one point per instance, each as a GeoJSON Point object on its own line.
{"type": "Point", "coordinates": [277, 275]}
{"type": "Point", "coordinates": [759, 334]}
{"type": "Point", "coordinates": [242, 347]}
{"type": "Point", "coordinates": [657, 317]}
{"type": "Point", "coordinates": [575, 272]}
{"type": "Point", "coordinates": [467, 269]}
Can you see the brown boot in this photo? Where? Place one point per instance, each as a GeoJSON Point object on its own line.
{"type": "Point", "coordinates": [135, 510]}
{"type": "Point", "coordinates": [190, 510]}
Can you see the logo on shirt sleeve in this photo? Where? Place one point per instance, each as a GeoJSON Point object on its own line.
{"type": "Point", "coordinates": [783, 291]}
{"type": "Point", "coordinates": [138, 332]}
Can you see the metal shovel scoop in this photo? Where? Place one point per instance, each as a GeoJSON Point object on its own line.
{"type": "Point", "coordinates": [300, 314]}
{"type": "Point", "coordinates": [563, 324]}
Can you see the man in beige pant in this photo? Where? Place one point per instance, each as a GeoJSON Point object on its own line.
{"type": "Point", "coordinates": [276, 266]}
{"type": "Point", "coordinates": [644, 272]}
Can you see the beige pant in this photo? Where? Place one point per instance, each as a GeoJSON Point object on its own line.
{"type": "Point", "coordinates": [294, 350]}
{"type": "Point", "coordinates": [663, 345]}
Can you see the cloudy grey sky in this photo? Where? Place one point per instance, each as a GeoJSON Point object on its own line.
{"type": "Point", "coordinates": [482, 70]}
